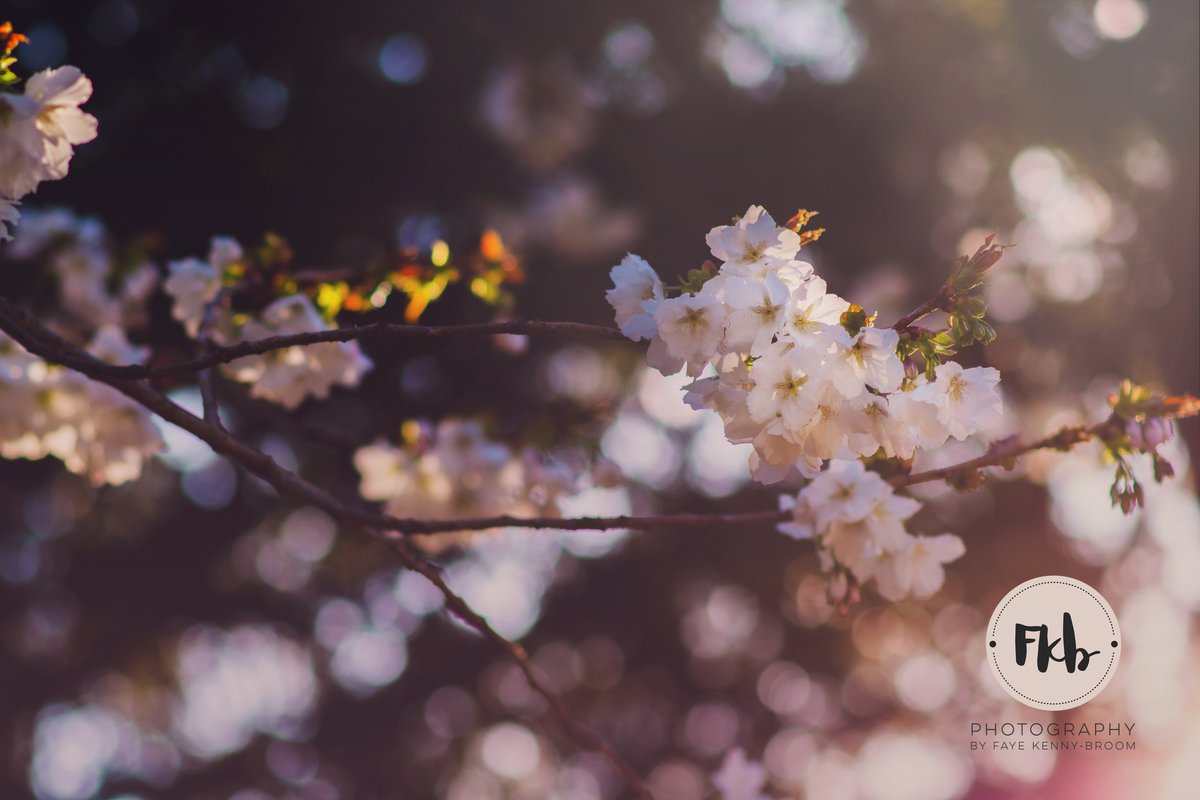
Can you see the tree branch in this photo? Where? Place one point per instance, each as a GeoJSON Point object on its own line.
{"type": "Point", "coordinates": [223, 355]}
{"type": "Point", "coordinates": [22, 327]}
{"type": "Point", "coordinates": [1006, 450]}
{"type": "Point", "coordinates": [935, 303]}
{"type": "Point", "coordinates": [42, 342]}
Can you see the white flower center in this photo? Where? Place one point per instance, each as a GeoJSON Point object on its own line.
{"type": "Point", "coordinates": [957, 389]}
{"type": "Point", "coordinates": [859, 351]}
{"type": "Point", "coordinates": [753, 251]}
{"type": "Point", "coordinates": [789, 387]}
{"type": "Point", "coordinates": [802, 323]}
{"type": "Point", "coordinates": [694, 320]}
{"type": "Point", "coordinates": [766, 312]}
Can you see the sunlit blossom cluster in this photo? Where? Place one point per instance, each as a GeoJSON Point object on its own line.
{"type": "Point", "coordinates": [287, 376]}
{"type": "Point", "coordinates": [39, 129]}
{"type": "Point", "coordinates": [453, 469]}
{"type": "Point", "coordinates": [858, 521]}
{"type": "Point", "coordinates": [807, 378]}
{"type": "Point", "coordinates": [774, 355]}
{"type": "Point", "coordinates": [52, 411]}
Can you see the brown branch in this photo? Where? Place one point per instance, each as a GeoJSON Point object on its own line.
{"type": "Point", "coordinates": [1006, 450]}
{"type": "Point", "coordinates": [936, 303]}
{"type": "Point", "coordinates": [223, 355]}
{"type": "Point", "coordinates": [52, 348]}
{"type": "Point", "coordinates": [582, 735]}
{"type": "Point", "coordinates": [44, 343]}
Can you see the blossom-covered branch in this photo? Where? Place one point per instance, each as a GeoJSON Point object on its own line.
{"type": "Point", "coordinates": [37, 339]}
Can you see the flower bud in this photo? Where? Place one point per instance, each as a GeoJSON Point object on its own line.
{"type": "Point", "coordinates": [1148, 434]}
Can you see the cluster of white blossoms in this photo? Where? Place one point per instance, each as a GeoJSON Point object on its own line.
{"type": "Point", "coordinates": [51, 411]}
{"type": "Point", "coordinates": [857, 521]}
{"type": "Point", "coordinates": [452, 469]}
{"type": "Point", "coordinates": [39, 129]}
{"type": "Point", "coordinates": [95, 287]}
{"type": "Point", "coordinates": [804, 377]}
{"type": "Point", "coordinates": [287, 376]}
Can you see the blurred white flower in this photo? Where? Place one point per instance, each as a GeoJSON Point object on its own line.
{"type": "Point", "coordinates": [291, 375]}
{"type": "Point", "coordinates": [916, 567]}
{"type": "Point", "coordinates": [192, 285]}
{"type": "Point", "coordinates": [740, 778]}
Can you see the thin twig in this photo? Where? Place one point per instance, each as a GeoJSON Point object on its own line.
{"type": "Point", "coordinates": [1007, 450]}
{"type": "Point", "coordinates": [582, 735]}
{"type": "Point", "coordinates": [935, 303]}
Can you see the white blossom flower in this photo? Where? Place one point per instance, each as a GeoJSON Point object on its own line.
{"type": "Point", "coordinates": [809, 309]}
{"type": "Point", "coordinates": [967, 400]}
{"type": "Point", "coordinates": [753, 245]}
{"type": "Point", "coordinates": [802, 525]}
{"type": "Point", "coordinates": [109, 344]}
{"type": "Point", "coordinates": [136, 288]}
{"type": "Point", "coordinates": [38, 129]}
{"type": "Point", "coordinates": [740, 778]}
{"type": "Point", "coordinates": [835, 419]}
{"type": "Point", "coordinates": [860, 543]}
{"type": "Point", "coordinates": [755, 312]}
{"type": "Point", "coordinates": [115, 437]}
{"type": "Point", "coordinates": [404, 482]}
{"type": "Point", "coordinates": [38, 408]}
{"type": "Point", "coordinates": [883, 430]}
{"type": "Point", "coordinates": [692, 327]}
{"type": "Point", "coordinates": [658, 357]}
{"type": "Point", "coordinates": [453, 469]}
{"type": "Point", "coordinates": [92, 428]}
{"type": "Point", "coordinates": [867, 358]}
{"type": "Point", "coordinates": [291, 375]}
{"type": "Point", "coordinates": [784, 386]}
{"type": "Point", "coordinates": [223, 252]}
{"type": "Point", "coordinates": [43, 227]}
{"type": "Point", "coordinates": [916, 568]}
{"type": "Point", "coordinates": [192, 285]}
{"type": "Point", "coordinates": [726, 394]}
{"type": "Point", "coordinates": [778, 456]}
{"type": "Point", "coordinates": [920, 422]}
{"type": "Point", "coordinates": [845, 492]}
{"type": "Point", "coordinates": [83, 270]}
{"type": "Point", "coordinates": [636, 293]}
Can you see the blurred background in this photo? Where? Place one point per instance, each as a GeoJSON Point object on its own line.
{"type": "Point", "coordinates": [192, 636]}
